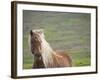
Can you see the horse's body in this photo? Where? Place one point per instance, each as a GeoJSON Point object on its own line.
{"type": "Point", "coordinates": [44, 55]}
{"type": "Point", "coordinates": [60, 59]}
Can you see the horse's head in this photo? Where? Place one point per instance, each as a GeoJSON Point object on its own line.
{"type": "Point", "coordinates": [35, 41]}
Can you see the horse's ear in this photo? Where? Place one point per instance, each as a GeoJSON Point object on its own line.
{"type": "Point", "coordinates": [31, 32]}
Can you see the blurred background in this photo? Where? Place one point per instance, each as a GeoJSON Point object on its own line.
{"type": "Point", "coordinates": [63, 31]}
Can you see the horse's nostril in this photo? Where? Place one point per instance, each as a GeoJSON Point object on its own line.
{"type": "Point", "coordinates": [31, 32]}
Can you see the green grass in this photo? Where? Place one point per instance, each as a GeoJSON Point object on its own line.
{"type": "Point", "coordinates": [64, 31]}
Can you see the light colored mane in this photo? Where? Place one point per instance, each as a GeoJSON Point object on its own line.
{"type": "Point", "coordinates": [47, 54]}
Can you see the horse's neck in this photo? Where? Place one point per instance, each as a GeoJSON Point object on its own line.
{"type": "Point", "coordinates": [47, 54]}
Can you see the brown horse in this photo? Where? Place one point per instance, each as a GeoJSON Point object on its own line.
{"type": "Point", "coordinates": [44, 55]}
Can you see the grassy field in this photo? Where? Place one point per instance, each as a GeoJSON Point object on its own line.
{"type": "Point", "coordinates": [64, 31]}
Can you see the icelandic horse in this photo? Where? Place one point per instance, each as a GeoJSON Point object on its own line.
{"type": "Point", "coordinates": [44, 55]}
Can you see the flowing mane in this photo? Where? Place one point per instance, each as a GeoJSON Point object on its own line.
{"type": "Point", "coordinates": [44, 55]}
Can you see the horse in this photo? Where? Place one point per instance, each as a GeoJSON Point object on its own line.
{"type": "Point", "coordinates": [44, 55]}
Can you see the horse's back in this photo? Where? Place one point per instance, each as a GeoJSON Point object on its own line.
{"type": "Point", "coordinates": [64, 57]}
